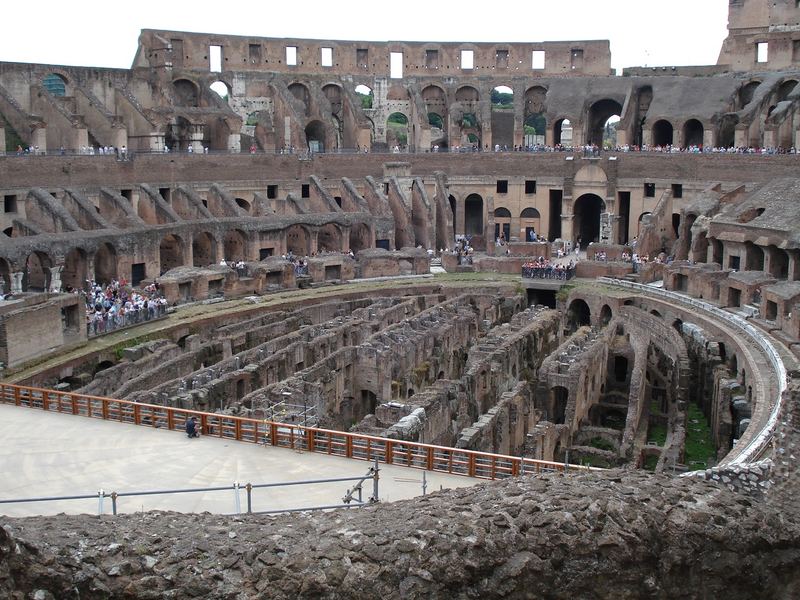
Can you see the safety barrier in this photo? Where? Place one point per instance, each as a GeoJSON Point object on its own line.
{"type": "Point", "coordinates": [759, 443]}
{"type": "Point", "coordinates": [439, 459]}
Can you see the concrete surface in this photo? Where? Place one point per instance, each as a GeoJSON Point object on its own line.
{"type": "Point", "coordinates": [51, 454]}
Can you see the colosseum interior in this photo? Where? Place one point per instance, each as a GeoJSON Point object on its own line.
{"type": "Point", "coordinates": [326, 242]}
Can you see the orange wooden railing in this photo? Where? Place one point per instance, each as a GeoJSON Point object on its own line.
{"type": "Point", "coordinates": [440, 459]}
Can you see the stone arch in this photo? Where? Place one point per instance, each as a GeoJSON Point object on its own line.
{"type": "Point", "coordinates": [562, 132]}
{"type": "Point", "coordinates": [502, 223]}
{"type": "Point", "coordinates": [662, 133]}
{"type": "Point", "coordinates": [640, 222]}
{"type": "Point", "coordinates": [726, 134]}
{"type": "Point", "coordinates": [360, 237]}
{"type": "Point", "coordinates": [745, 94]}
{"type": "Point", "coordinates": [587, 212]}
{"type": "Point", "coordinates": [534, 114]}
{"type": "Point", "coordinates": [558, 400]}
{"type": "Point", "coordinates": [778, 262]}
{"type": "Point", "coordinates": [315, 136]}
{"type": "Point", "coordinates": [365, 95]}
{"type": "Point", "coordinates": [785, 89]}
{"type": "Point", "coordinates": [221, 89]}
{"type": "Point", "coordinates": [502, 116]}
{"type": "Point", "coordinates": [5, 275]}
{"type": "Point", "coordinates": [298, 240]}
{"type": "Point", "coordinates": [234, 245]}
{"type": "Point", "coordinates": [333, 93]}
{"type": "Point", "coordinates": [467, 94]}
{"type": "Point", "coordinates": [530, 221]}
{"type": "Point", "coordinates": [755, 257]}
{"type": "Point", "coordinates": [693, 133]}
{"type": "Point", "coordinates": [243, 204]}
{"type": "Point", "coordinates": [105, 263]}
{"type": "Point", "coordinates": [606, 314]}
{"type": "Point", "coordinates": [329, 238]}
{"type": "Point", "coordinates": [55, 84]}
{"type": "Point", "coordinates": [397, 132]}
{"type": "Point", "coordinates": [186, 93]}
{"type": "Point", "coordinates": [473, 215]}
{"type": "Point", "coordinates": [170, 252]}
{"type": "Point", "coordinates": [578, 315]}
{"type": "Point", "coordinates": [600, 113]}
{"type": "Point", "coordinates": [303, 96]}
{"type": "Point", "coordinates": [204, 249]}
{"type": "Point", "coordinates": [37, 272]}
{"type": "Point", "coordinates": [76, 270]}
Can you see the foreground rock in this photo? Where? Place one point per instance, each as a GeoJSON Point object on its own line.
{"type": "Point", "coordinates": [621, 536]}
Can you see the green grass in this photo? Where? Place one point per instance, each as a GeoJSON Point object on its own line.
{"type": "Point", "coordinates": [657, 434]}
{"type": "Point", "coordinates": [650, 462]}
{"type": "Point", "coordinates": [699, 444]}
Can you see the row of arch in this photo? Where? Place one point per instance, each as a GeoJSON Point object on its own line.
{"type": "Point", "coordinates": [103, 264]}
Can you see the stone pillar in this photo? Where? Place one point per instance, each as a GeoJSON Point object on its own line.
{"type": "Point", "coordinates": [196, 139]}
{"type": "Point", "coordinates": [16, 282]}
{"type": "Point", "coordinates": [2, 141]}
{"type": "Point", "coordinates": [39, 138]}
{"type": "Point", "coordinates": [55, 279]}
{"type": "Point", "coordinates": [234, 142]}
{"type": "Point", "coordinates": [460, 216]}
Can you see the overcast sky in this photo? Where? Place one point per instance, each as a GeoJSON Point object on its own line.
{"type": "Point", "coordinates": [104, 34]}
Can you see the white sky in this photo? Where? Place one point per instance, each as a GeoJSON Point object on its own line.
{"type": "Point", "coordinates": [104, 34]}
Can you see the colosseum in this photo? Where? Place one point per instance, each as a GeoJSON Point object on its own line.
{"type": "Point", "coordinates": [499, 260]}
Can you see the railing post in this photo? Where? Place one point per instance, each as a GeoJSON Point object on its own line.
{"type": "Point", "coordinates": [114, 503]}
{"type": "Point", "coordinates": [100, 495]}
{"type": "Point", "coordinates": [236, 500]}
{"type": "Point", "coordinates": [429, 461]}
{"type": "Point", "coordinates": [375, 478]}
{"type": "Point", "coordinates": [310, 446]}
{"type": "Point", "coordinates": [249, 488]}
{"type": "Point", "coordinates": [273, 433]}
{"type": "Point", "coordinates": [45, 400]}
{"type": "Point", "coordinates": [424, 483]}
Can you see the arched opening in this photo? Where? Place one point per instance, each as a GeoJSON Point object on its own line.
{"type": "Point", "coordinates": [170, 251]}
{"type": "Point", "coordinates": [529, 222]}
{"type": "Point", "coordinates": [397, 132]}
{"type": "Point", "coordinates": [8, 231]}
{"type": "Point", "coordinates": [55, 85]}
{"type": "Point", "coordinates": [360, 237]}
{"type": "Point", "coordinates": [605, 314]}
{"type": "Point", "coordinates": [473, 215]}
{"type": "Point", "coordinates": [746, 93]}
{"type": "Point", "coordinates": [727, 130]}
{"type": "Point", "coordinates": [315, 136]}
{"type": "Point", "coordinates": [298, 240]}
{"type": "Point", "coordinates": [778, 262]}
{"type": "Point", "coordinates": [435, 120]}
{"type": "Point", "coordinates": [787, 87]}
{"type": "Point", "coordinates": [644, 100]}
{"type": "Point", "coordinates": [502, 100]}
{"type": "Point", "coordinates": [603, 117]}
{"type": "Point", "coordinates": [717, 250]}
{"type": "Point", "coordinates": [178, 134]}
{"type": "Point", "coordinates": [204, 250]}
{"type": "Point", "coordinates": [243, 204]}
{"type": "Point", "coordinates": [559, 397]}
{"type": "Point", "coordinates": [662, 133]}
{"type": "Point", "coordinates": [655, 313]}
{"type": "Point", "coordinates": [5, 275]}
{"type": "Point", "coordinates": [105, 264]}
{"type": "Point", "coordinates": [234, 245]}
{"type": "Point", "coordinates": [185, 93]}
{"type": "Point", "coordinates": [333, 93]}
{"type": "Point", "coordinates": [693, 133]}
{"type": "Point", "coordinates": [365, 95]}
{"type": "Point", "coordinates": [620, 369]}
{"type": "Point", "coordinates": [676, 223]}
{"type": "Point", "coordinates": [578, 315]}
{"type": "Point", "coordinates": [76, 270]}
{"type": "Point", "coordinates": [535, 123]}
{"type": "Point", "coordinates": [502, 225]}
{"type": "Point", "coordinates": [37, 272]}
{"type": "Point", "coordinates": [301, 93]}
{"type": "Point", "coordinates": [562, 133]}
{"type": "Point", "coordinates": [677, 325]}
{"type": "Point", "coordinates": [587, 218]}
{"type": "Point", "coordinates": [452, 200]}
{"type": "Point", "coordinates": [221, 89]}
{"type": "Point", "coordinates": [755, 257]}
{"type": "Point", "coordinates": [435, 100]}
{"type": "Point", "coordinates": [329, 238]}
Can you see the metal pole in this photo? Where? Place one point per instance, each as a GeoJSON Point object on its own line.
{"type": "Point", "coordinates": [566, 460]}
{"type": "Point", "coordinates": [100, 495]}
{"type": "Point", "coordinates": [114, 503]}
{"type": "Point", "coordinates": [249, 488]}
{"type": "Point", "coordinates": [375, 478]}
{"type": "Point", "coordinates": [424, 483]}
{"type": "Point", "coordinates": [236, 501]}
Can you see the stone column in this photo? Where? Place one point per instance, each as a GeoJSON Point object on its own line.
{"type": "Point", "coordinates": [55, 279]}
{"type": "Point", "coordinates": [16, 282]}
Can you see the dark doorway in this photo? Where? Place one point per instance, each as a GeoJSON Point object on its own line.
{"type": "Point", "coordinates": [554, 228]}
{"type": "Point", "coordinates": [587, 218]}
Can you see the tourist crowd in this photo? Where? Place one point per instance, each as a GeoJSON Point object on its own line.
{"type": "Point", "coordinates": [542, 268]}
{"type": "Point", "coordinates": [118, 305]}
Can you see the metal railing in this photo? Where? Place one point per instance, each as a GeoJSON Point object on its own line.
{"type": "Point", "coordinates": [550, 272]}
{"type": "Point", "coordinates": [353, 497]}
{"type": "Point", "coordinates": [99, 324]}
{"type": "Point", "coordinates": [760, 442]}
{"type": "Point", "coordinates": [439, 459]}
